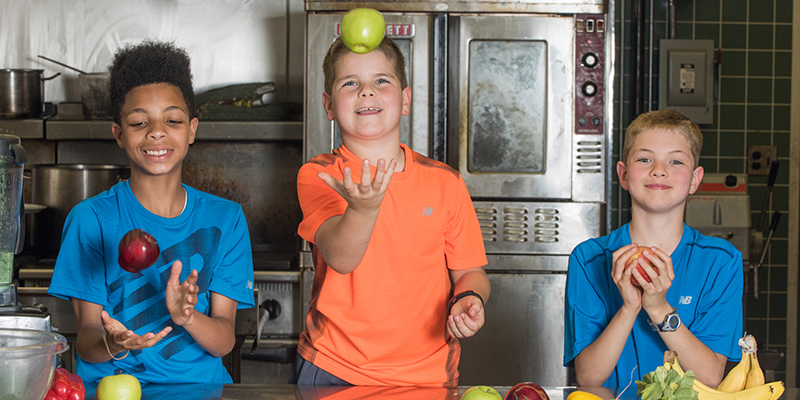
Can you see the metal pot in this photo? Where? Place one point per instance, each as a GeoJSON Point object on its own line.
{"type": "Point", "coordinates": [95, 95]}
{"type": "Point", "coordinates": [60, 187]}
{"type": "Point", "coordinates": [22, 92]}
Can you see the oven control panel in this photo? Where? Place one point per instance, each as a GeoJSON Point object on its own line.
{"type": "Point", "coordinates": [590, 32]}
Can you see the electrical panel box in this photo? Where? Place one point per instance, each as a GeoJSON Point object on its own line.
{"type": "Point", "coordinates": [686, 78]}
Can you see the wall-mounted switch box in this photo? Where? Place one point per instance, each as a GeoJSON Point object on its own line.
{"type": "Point", "coordinates": [686, 78]}
{"type": "Point", "coordinates": [760, 158]}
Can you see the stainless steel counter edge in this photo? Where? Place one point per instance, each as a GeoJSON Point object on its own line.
{"type": "Point", "coordinates": [53, 129]}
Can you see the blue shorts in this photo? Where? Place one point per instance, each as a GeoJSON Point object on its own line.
{"type": "Point", "coordinates": [306, 373]}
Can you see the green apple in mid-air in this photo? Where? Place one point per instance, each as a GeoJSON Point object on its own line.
{"type": "Point", "coordinates": [481, 393]}
{"type": "Point", "coordinates": [119, 387]}
{"type": "Point", "coordinates": [363, 29]}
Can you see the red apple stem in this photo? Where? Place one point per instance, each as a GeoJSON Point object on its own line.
{"type": "Point", "coordinates": [629, 383]}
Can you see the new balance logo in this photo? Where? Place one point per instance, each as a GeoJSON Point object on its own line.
{"type": "Point", "coordinates": [685, 300]}
{"type": "Point", "coordinates": [427, 211]}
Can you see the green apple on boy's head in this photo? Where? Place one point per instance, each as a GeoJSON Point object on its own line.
{"type": "Point", "coordinates": [363, 29]}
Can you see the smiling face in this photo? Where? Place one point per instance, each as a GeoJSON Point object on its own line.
{"type": "Point", "coordinates": [659, 172]}
{"type": "Point", "coordinates": [155, 129]}
{"type": "Point", "coordinates": [366, 98]}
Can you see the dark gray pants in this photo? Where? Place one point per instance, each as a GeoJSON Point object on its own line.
{"type": "Point", "coordinates": [306, 373]}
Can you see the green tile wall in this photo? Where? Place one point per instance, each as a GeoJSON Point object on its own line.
{"type": "Point", "coordinates": [755, 38]}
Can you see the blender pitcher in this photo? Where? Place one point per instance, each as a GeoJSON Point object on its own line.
{"type": "Point", "coordinates": [12, 228]}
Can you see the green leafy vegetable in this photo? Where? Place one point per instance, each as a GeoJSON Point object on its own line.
{"type": "Point", "coordinates": [663, 384]}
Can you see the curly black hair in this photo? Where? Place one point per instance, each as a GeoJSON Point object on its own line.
{"type": "Point", "coordinates": [146, 63]}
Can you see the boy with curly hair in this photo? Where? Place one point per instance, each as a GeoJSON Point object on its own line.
{"type": "Point", "coordinates": [204, 271]}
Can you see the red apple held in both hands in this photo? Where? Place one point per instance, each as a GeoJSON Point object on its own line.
{"type": "Point", "coordinates": [137, 250]}
{"type": "Point", "coordinates": [527, 391]}
{"type": "Point", "coordinates": [631, 260]}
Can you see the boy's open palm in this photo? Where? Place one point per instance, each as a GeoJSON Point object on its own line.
{"type": "Point", "coordinates": [366, 196]}
{"type": "Point", "coordinates": [121, 338]}
{"type": "Point", "coordinates": [181, 297]}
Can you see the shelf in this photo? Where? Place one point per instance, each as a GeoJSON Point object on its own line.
{"type": "Point", "coordinates": [67, 129]}
{"type": "Point", "coordinates": [249, 130]}
{"type": "Point", "coordinates": [23, 128]}
{"type": "Point", "coordinates": [59, 129]}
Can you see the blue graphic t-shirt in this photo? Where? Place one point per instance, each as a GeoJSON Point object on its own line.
{"type": "Point", "coordinates": [209, 236]}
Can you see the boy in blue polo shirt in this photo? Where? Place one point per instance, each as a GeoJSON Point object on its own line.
{"type": "Point", "coordinates": [692, 301]}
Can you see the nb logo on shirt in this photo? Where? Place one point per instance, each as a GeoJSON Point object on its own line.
{"type": "Point", "coordinates": [427, 211]}
{"type": "Point", "coordinates": [685, 300]}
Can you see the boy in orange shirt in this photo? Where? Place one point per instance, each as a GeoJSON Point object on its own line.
{"type": "Point", "coordinates": [391, 245]}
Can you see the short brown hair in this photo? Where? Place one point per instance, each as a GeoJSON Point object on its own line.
{"type": "Point", "coordinates": [668, 120]}
{"type": "Point", "coordinates": [387, 47]}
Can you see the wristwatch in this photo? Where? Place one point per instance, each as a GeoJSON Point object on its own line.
{"type": "Point", "coordinates": [671, 322]}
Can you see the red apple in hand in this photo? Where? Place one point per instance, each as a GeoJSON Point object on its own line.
{"type": "Point", "coordinates": [527, 391]}
{"type": "Point", "coordinates": [137, 250]}
{"type": "Point", "coordinates": [631, 260]}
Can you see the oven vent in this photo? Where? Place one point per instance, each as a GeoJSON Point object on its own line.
{"type": "Point", "coordinates": [546, 224]}
{"type": "Point", "coordinates": [515, 224]}
{"type": "Point", "coordinates": [264, 287]}
{"type": "Point", "coordinates": [487, 218]}
{"type": "Point", "coordinates": [589, 159]}
{"type": "Point", "coordinates": [519, 224]}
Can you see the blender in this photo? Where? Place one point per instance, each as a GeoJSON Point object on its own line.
{"type": "Point", "coordinates": [12, 236]}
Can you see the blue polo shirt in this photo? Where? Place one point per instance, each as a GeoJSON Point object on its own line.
{"type": "Point", "coordinates": [707, 292]}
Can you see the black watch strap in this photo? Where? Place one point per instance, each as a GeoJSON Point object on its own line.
{"type": "Point", "coordinates": [460, 296]}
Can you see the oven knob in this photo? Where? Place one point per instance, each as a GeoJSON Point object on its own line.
{"type": "Point", "coordinates": [589, 60]}
{"type": "Point", "coordinates": [582, 121]}
{"type": "Point", "coordinates": [596, 121]}
{"type": "Point", "coordinates": [589, 89]}
{"type": "Point", "coordinates": [272, 307]}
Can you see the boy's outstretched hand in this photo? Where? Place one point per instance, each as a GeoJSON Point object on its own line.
{"type": "Point", "coordinates": [466, 317]}
{"type": "Point", "coordinates": [121, 338]}
{"type": "Point", "coordinates": [181, 297]}
{"type": "Point", "coordinates": [366, 196]}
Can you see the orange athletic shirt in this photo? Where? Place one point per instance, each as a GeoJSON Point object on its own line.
{"type": "Point", "coordinates": [384, 323]}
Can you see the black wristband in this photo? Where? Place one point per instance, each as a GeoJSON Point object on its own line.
{"type": "Point", "coordinates": [460, 296]}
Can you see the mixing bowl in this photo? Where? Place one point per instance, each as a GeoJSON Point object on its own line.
{"type": "Point", "coordinates": [27, 362]}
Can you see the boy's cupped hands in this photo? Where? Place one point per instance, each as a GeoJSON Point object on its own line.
{"type": "Point", "coordinates": [648, 294]}
{"type": "Point", "coordinates": [181, 297]}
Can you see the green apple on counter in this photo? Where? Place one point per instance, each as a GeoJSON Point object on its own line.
{"type": "Point", "coordinates": [481, 393]}
{"type": "Point", "coordinates": [119, 387]}
{"type": "Point", "coordinates": [363, 29]}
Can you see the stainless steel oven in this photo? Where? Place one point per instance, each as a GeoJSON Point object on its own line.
{"type": "Point", "coordinates": [516, 96]}
{"type": "Point", "coordinates": [517, 83]}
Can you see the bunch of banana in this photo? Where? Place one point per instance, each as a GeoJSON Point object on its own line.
{"type": "Point", "coordinates": [766, 391]}
{"type": "Point", "coordinates": [747, 374]}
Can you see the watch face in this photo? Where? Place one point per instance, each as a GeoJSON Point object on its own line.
{"type": "Point", "coordinates": [673, 322]}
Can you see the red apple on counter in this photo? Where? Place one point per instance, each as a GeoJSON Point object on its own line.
{"type": "Point", "coordinates": [630, 261]}
{"type": "Point", "coordinates": [527, 391]}
{"type": "Point", "coordinates": [137, 251]}
{"type": "Point", "coordinates": [481, 393]}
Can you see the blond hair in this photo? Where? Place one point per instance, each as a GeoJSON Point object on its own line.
{"type": "Point", "coordinates": [387, 47]}
{"type": "Point", "coordinates": [668, 120]}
